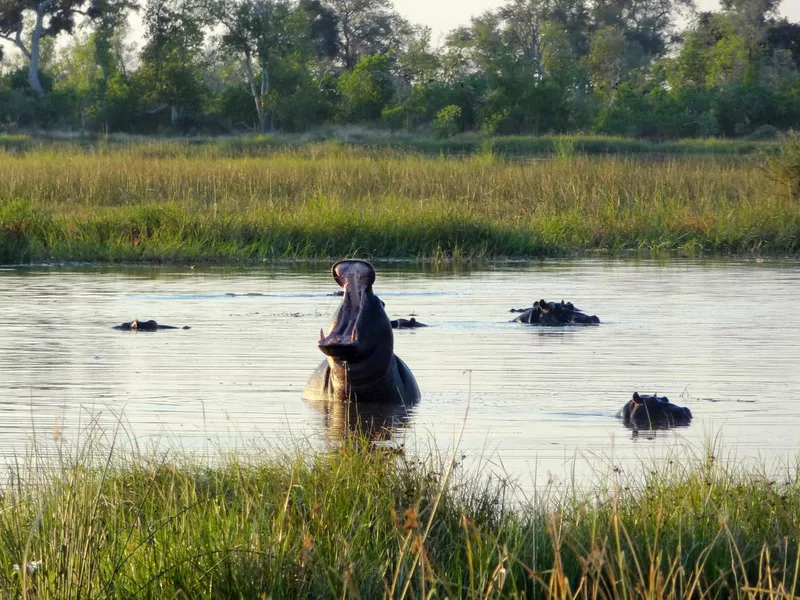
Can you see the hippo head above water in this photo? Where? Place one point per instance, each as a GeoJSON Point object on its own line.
{"type": "Point", "coordinates": [653, 412]}
{"type": "Point", "coordinates": [359, 346]}
{"type": "Point", "coordinates": [360, 327]}
{"type": "Point", "coordinates": [554, 314]}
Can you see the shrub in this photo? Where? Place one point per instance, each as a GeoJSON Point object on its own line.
{"type": "Point", "coordinates": [784, 167]}
{"type": "Point", "coordinates": [446, 123]}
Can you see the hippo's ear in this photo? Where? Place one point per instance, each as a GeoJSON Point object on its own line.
{"type": "Point", "coordinates": [543, 305]}
{"type": "Point", "coordinates": [636, 398]}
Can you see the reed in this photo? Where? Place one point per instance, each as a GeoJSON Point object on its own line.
{"type": "Point", "coordinates": [356, 522]}
{"type": "Point", "coordinates": [153, 202]}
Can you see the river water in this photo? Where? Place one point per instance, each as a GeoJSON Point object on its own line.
{"type": "Point", "coordinates": [721, 337]}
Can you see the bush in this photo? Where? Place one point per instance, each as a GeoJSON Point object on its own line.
{"type": "Point", "coordinates": [394, 118]}
{"type": "Point", "coordinates": [446, 123]}
{"type": "Point", "coordinates": [784, 168]}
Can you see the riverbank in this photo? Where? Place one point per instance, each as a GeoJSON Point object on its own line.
{"type": "Point", "coordinates": [153, 202]}
{"type": "Point", "coordinates": [358, 522]}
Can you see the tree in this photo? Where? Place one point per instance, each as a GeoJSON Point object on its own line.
{"type": "Point", "coordinates": [524, 20]}
{"type": "Point", "coordinates": [50, 17]}
{"type": "Point", "coordinates": [416, 60]}
{"type": "Point", "coordinates": [323, 28]}
{"type": "Point", "coordinates": [367, 89]}
{"type": "Point", "coordinates": [170, 71]}
{"type": "Point", "coordinates": [606, 58]}
{"type": "Point", "coordinates": [258, 32]}
{"type": "Point", "coordinates": [365, 27]}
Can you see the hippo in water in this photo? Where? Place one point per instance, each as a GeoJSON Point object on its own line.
{"type": "Point", "coordinates": [653, 412]}
{"type": "Point", "coordinates": [554, 314]}
{"type": "Point", "coordinates": [360, 363]}
{"type": "Point", "coordinates": [411, 323]}
{"type": "Point", "coordinates": [150, 325]}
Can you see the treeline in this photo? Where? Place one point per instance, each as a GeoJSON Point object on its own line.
{"type": "Point", "coordinates": [618, 67]}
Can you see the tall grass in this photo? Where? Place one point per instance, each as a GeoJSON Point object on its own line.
{"type": "Point", "coordinates": [356, 522]}
{"type": "Point", "coordinates": [375, 140]}
{"type": "Point", "coordinates": [152, 202]}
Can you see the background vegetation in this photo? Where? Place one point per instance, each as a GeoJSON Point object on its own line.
{"type": "Point", "coordinates": [647, 68]}
{"type": "Point", "coordinates": [237, 200]}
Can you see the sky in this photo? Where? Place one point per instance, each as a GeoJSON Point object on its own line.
{"type": "Point", "coordinates": [443, 15]}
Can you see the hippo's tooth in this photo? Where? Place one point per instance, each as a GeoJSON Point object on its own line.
{"type": "Point", "coordinates": [321, 334]}
{"type": "Point", "coordinates": [353, 335]}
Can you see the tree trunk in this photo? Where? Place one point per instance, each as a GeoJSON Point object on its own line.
{"type": "Point", "coordinates": [265, 87]}
{"type": "Point", "coordinates": [251, 79]}
{"type": "Point", "coordinates": [36, 37]}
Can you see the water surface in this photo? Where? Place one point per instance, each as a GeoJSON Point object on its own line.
{"type": "Point", "coordinates": [722, 338]}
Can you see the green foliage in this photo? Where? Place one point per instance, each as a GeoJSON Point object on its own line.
{"type": "Point", "coordinates": [446, 123]}
{"type": "Point", "coordinates": [395, 118]}
{"type": "Point", "coordinates": [784, 166]}
{"type": "Point", "coordinates": [527, 67]}
{"type": "Point", "coordinates": [367, 89]}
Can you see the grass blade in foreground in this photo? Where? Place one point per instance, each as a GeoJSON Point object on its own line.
{"type": "Point", "coordinates": [350, 522]}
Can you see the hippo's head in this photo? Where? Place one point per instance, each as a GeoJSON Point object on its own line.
{"type": "Point", "coordinates": [359, 329]}
{"type": "Point", "coordinates": [653, 412]}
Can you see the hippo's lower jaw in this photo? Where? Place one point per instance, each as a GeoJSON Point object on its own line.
{"type": "Point", "coordinates": [343, 351]}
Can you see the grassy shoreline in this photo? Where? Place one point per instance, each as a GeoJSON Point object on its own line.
{"type": "Point", "coordinates": [154, 203]}
{"type": "Point", "coordinates": [355, 522]}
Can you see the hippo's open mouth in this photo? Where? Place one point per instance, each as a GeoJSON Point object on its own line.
{"type": "Point", "coordinates": [345, 338]}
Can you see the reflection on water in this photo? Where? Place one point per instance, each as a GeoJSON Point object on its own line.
{"type": "Point", "coordinates": [373, 421]}
{"type": "Point", "coordinates": [722, 338]}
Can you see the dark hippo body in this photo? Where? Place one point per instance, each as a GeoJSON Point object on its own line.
{"type": "Point", "coordinates": [653, 412]}
{"type": "Point", "coordinates": [411, 323]}
{"type": "Point", "coordinates": [360, 364]}
{"type": "Point", "coordinates": [151, 325]}
{"type": "Point", "coordinates": [554, 314]}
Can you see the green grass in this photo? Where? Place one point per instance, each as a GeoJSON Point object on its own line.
{"type": "Point", "coordinates": [360, 523]}
{"type": "Point", "coordinates": [158, 202]}
{"type": "Point", "coordinates": [376, 140]}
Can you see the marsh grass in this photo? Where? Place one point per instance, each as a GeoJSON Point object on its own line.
{"type": "Point", "coordinates": [375, 140]}
{"type": "Point", "coordinates": [153, 202]}
{"type": "Point", "coordinates": [353, 521]}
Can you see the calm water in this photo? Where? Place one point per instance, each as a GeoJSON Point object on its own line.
{"type": "Point", "coordinates": [722, 338]}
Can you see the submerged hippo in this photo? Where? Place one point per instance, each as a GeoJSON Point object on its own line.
{"type": "Point", "coordinates": [360, 363]}
{"type": "Point", "coordinates": [554, 314]}
{"type": "Point", "coordinates": [653, 412]}
{"type": "Point", "coordinates": [406, 323]}
{"type": "Point", "coordinates": [150, 325]}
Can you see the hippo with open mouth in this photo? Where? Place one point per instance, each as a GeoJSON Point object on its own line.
{"type": "Point", "coordinates": [554, 314]}
{"type": "Point", "coordinates": [653, 412]}
{"type": "Point", "coordinates": [360, 362]}
{"type": "Point", "coordinates": [151, 325]}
